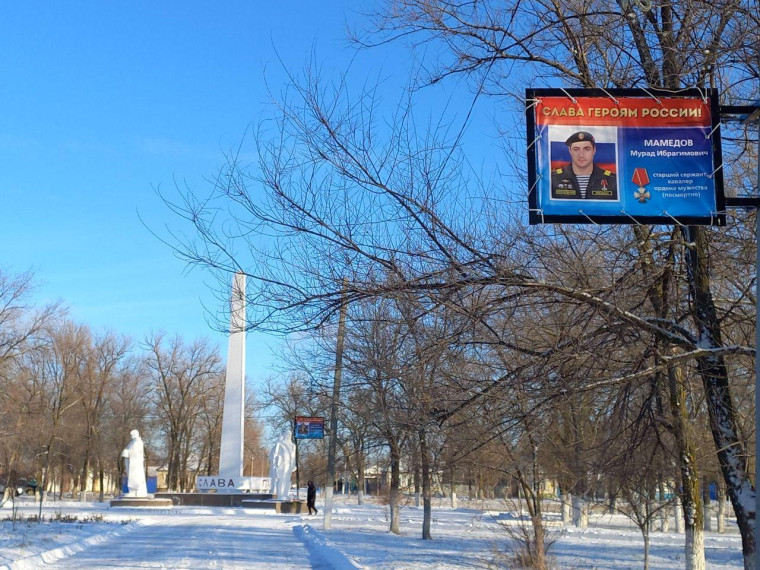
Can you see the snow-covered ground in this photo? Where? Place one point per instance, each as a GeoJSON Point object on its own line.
{"type": "Point", "coordinates": [93, 535]}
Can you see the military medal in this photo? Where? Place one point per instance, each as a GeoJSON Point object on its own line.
{"type": "Point", "coordinates": [641, 179]}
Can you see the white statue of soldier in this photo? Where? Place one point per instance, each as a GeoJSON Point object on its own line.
{"type": "Point", "coordinates": [282, 462]}
{"type": "Point", "coordinates": [134, 465]}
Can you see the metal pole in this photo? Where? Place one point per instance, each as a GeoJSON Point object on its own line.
{"type": "Point", "coordinates": [333, 442]}
{"type": "Point", "coordinates": [752, 113]}
{"type": "Point", "coordinates": [757, 358]}
{"type": "Point", "coordinates": [298, 473]}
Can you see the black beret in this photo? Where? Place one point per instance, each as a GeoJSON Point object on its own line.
{"type": "Point", "coordinates": [580, 136]}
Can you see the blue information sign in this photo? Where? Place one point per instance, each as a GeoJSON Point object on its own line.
{"type": "Point", "coordinates": [309, 427]}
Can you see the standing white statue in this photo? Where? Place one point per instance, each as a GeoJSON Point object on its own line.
{"type": "Point", "coordinates": [134, 465]}
{"type": "Point", "coordinates": [282, 462]}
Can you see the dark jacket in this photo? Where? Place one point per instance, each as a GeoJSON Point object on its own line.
{"type": "Point", "coordinates": [311, 494]}
{"type": "Point", "coordinates": [601, 186]}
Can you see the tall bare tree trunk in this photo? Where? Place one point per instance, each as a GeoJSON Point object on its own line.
{"type": "Point", "coordinates": [85, 476]}
{"type": "Point", "coordinates": [678, 514]}
{"type": "Point", "coordinates": [567, 508]}
{"type": "Point", "coordinates": [663, 511]}
{"type": "Point", "coordinates": [712, 369]}
{"type": "Point", "coordinates": [706, 507]}
{"type": "Point", "coordinates": [721, 517]}
{"type": "Point", "coordinates": [361, 484]}
{"type": "Point", "coordinates": [580, 511]}
{"type": "Point", "coordinates": [646, 528]}
{"type": "Point", "coordinates": [417, 475]}
{"type": "Point", "coordinates": [533, 503]}
{"type": "Point", "coordinates": [332, 446]}
{"type": "Point", "coordinates": [393, 492]}
{"type": "Point", "coordinates": [427, 504]}
{"type": "Point", "coordinates": [691, 498]}
{"type": "Point", "coordinates": [63, 477]}
{"type": "Point", "coordinates": [453, 489]}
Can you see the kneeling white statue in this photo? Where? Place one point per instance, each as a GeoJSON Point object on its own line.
{"type": "Point", "coordinates": [134, 465]}
{"type": "Point", "coordinates": [282, 462]}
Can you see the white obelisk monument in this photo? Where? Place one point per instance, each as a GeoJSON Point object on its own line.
{"type": "Point", "coordinates": [231, 452]}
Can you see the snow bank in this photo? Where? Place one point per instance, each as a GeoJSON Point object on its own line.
{"type": "Point", "coordinates": [321, 548]}
{"type": "Point", "coordinates": [51, 556]}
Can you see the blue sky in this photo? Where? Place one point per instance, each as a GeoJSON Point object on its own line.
{"type": "Point", "coordinates": [103, 102]}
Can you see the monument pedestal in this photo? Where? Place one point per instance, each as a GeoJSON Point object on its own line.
{"type": "Point", "coordinates": [247, 500]}
{"type": "Point", "coordinates": [213, 499]}
{"type": "Point", "coordinates": [141, 502]}
{"type": "Point", "coordinates": [280, 507]}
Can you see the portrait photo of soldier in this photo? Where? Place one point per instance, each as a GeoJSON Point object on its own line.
{"type": "Point", "coordinates": [583, 178]}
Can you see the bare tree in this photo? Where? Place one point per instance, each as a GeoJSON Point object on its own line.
{"type": "Point", "coordinates": [667, 45]}
{"type": "Point", "coordinates": [391, 211]}
{"type": "Point", "coordinates": [106, 354]}
{"type": "Point", "coordinates": [22, 325]}
{"type": "Point", "coordinates": [56, 370]}
{"type": "Point", "coordinates": [181, 375]}
{"type": "Point", "coordinates": [130, 407]}
{"type": "Point", "coordinates": [376, 362]}
{"type": "Point", "coordinates": [210, 415]}
{"type": "Point", "coordinates": [20, 321]}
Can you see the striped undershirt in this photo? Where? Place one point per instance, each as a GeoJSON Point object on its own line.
{"type": "Point", "coordinates": [583, 183]}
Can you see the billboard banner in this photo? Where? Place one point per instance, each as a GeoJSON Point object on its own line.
{"type": "Point", "coordinates": [624, 156]}
{"type": "Point", "coordinates": [309, 427]}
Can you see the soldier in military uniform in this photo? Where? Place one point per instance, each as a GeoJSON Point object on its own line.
{"type": "Point", "coordinates": [568, 181]}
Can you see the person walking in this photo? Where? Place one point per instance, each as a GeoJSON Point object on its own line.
{"type": "Point", "coordinates": [311, 497]}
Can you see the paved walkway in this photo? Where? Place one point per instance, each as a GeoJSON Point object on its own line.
{"type": "Point", "coordinates": [230, 540]}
